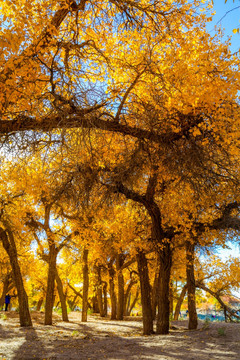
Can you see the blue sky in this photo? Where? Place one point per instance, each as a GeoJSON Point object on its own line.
{"type": "Point", "coordinates": [228, 17]}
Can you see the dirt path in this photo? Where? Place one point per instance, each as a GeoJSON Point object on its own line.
{"type": "Point", "coordinates": [114, 340]}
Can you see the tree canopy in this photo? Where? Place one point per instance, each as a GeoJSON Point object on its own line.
{"type": "Point", "coordinates": [119, 125]}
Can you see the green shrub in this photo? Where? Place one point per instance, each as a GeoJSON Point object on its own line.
{"type": "Point", "coordinates": [3, 316]}
{"type": "Point", "coordinates": [206, 323]}
{"type": "Point", "coordinates": [221, 331]}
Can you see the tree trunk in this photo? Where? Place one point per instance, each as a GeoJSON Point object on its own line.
{"type": "Point", "coordinates": [113, 297]}
{"type": "Point", "coordinates": [134, 302]}
{"type": "Point", "coordinates": [179, 302]}
{"type": "Point", "coordinates": [62, 298]}
{"type": "Point", "coordinates": [95, 303]}
{"type": "Point", "coordinates": [39, 304]}
{"type": "Point", "coordinates": [105, 303]}
{"type": "Point", "coordinates": [165, 263]}
{"type": "Point", "coordinates": [225, 307]}
{"type": "Point", "coordinates": [50, 284]}
{"type": "Point", "coordinates": [7, 239]}
{"type": "Point", "coordinates": [164, 254]}
{"type": "Point", "coordinates": [128, 304]}
{"type": "Point", "coordinates": [127, 295]}
{"type": "Point", "coordinates": [85, 285]}
{"type": "Point", "coordinates": [192, 312]}
{"type": "Point", "coordinates": [145, 293]}
{"type": "Point", "coordinates": [120, 282]}
{"type": "Point", "coordinates": [72, 303]}
{"type": "Point", "coordinates": [171, 299]}
{"type": "Point", "coordinates": [155, 294]}
{"type": "Point", "coordinates": [99, 291]}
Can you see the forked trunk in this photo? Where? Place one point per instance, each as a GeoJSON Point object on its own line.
{"type": "Point", "coordinates": [62, 298]}
{"type": "Point", "coordinates": [127, 295]}
{"type": "Point", "coordinates": [192, 312]}
{"type": "Point", "coordinates": [179, 302]}
{"type": "Point", "coordinates": [132, 305]}
{"type": "Point", "coordinates": [145, 293]}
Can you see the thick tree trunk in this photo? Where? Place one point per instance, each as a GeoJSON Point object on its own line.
{"type": "Point", "coordinates": [161, 240]}
{"type": "Point", "coordinates": [165, 263]}
{"type": "Point", "coordinates": [85, 285]}
{"type": "Point", "coordinates": [145, 293]}
{"type": "Point", "coordinates": [192, 312]}
{"type": "Point", "coordinates": [62, 298]}
{"type": "Point", "coordinates": [113, 296]}
{"type": "Point", "coordinates": [120, 282]}
{"type": "Point", "coordinates": [179, 302]}
{"type": "Point", "coordinates": [50, 284]}
{"type": "Point", "coordinates": [10, 247]}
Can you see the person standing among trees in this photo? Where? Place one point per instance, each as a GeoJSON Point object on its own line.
{"type": "Point", "coordinates": [7, 300]}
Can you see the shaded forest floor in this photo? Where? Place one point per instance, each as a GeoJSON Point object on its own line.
{"type": "Point", "coordinates": [114, 340]}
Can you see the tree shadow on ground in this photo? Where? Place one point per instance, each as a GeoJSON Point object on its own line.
{"type": "Point", "coordinates": [31, 348]}
{"type": "Point", "coordinates": [171, 347]}
{"type": "Point", "coordinates": [94, 341]}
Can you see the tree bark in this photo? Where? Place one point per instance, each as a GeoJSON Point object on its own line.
{"type": "Point", "coordinates": [179, 302]}
{"type": "Point", "coordinates": [134, 302]}
{"type": "Point", "coordinates": [161, 240]}
{"type": "Point", "coordinates": [39, 304]}
{"type": "Point", "coordinates": [99, 291]}
{"type": "Point", "coordinates": [113, 296]}
{"type": "Point", "coordinates": [52, 258]}
{"type": "Point", "coordinates": [95, 303]}
{"type": "Point", "coordinates": [145, 293]}
{"type": "Point", "coordinates": [105, 302]}
{"type": "Point", "coordinates": [85, 285]}
{"type": "Point", "coordinates": [9, 245]}
{"type": "Point", "coordinates": [171, 299]}
{"type": "Point", "coordinates": [62, 297]}
{"type": "Point", "coordinates": [155, 294]}
{"type": "Point", "coordinates": [127, 295]}
{"type": "Point", "coordinates": [120, 283]}
{"type": "Point", "coordinates": [192, 312]}
{"type": "Point", "coordinates": [165, 263]}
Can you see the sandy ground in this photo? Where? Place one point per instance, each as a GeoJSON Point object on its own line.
{"type": "Point", "coordinates": [107, 339]}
